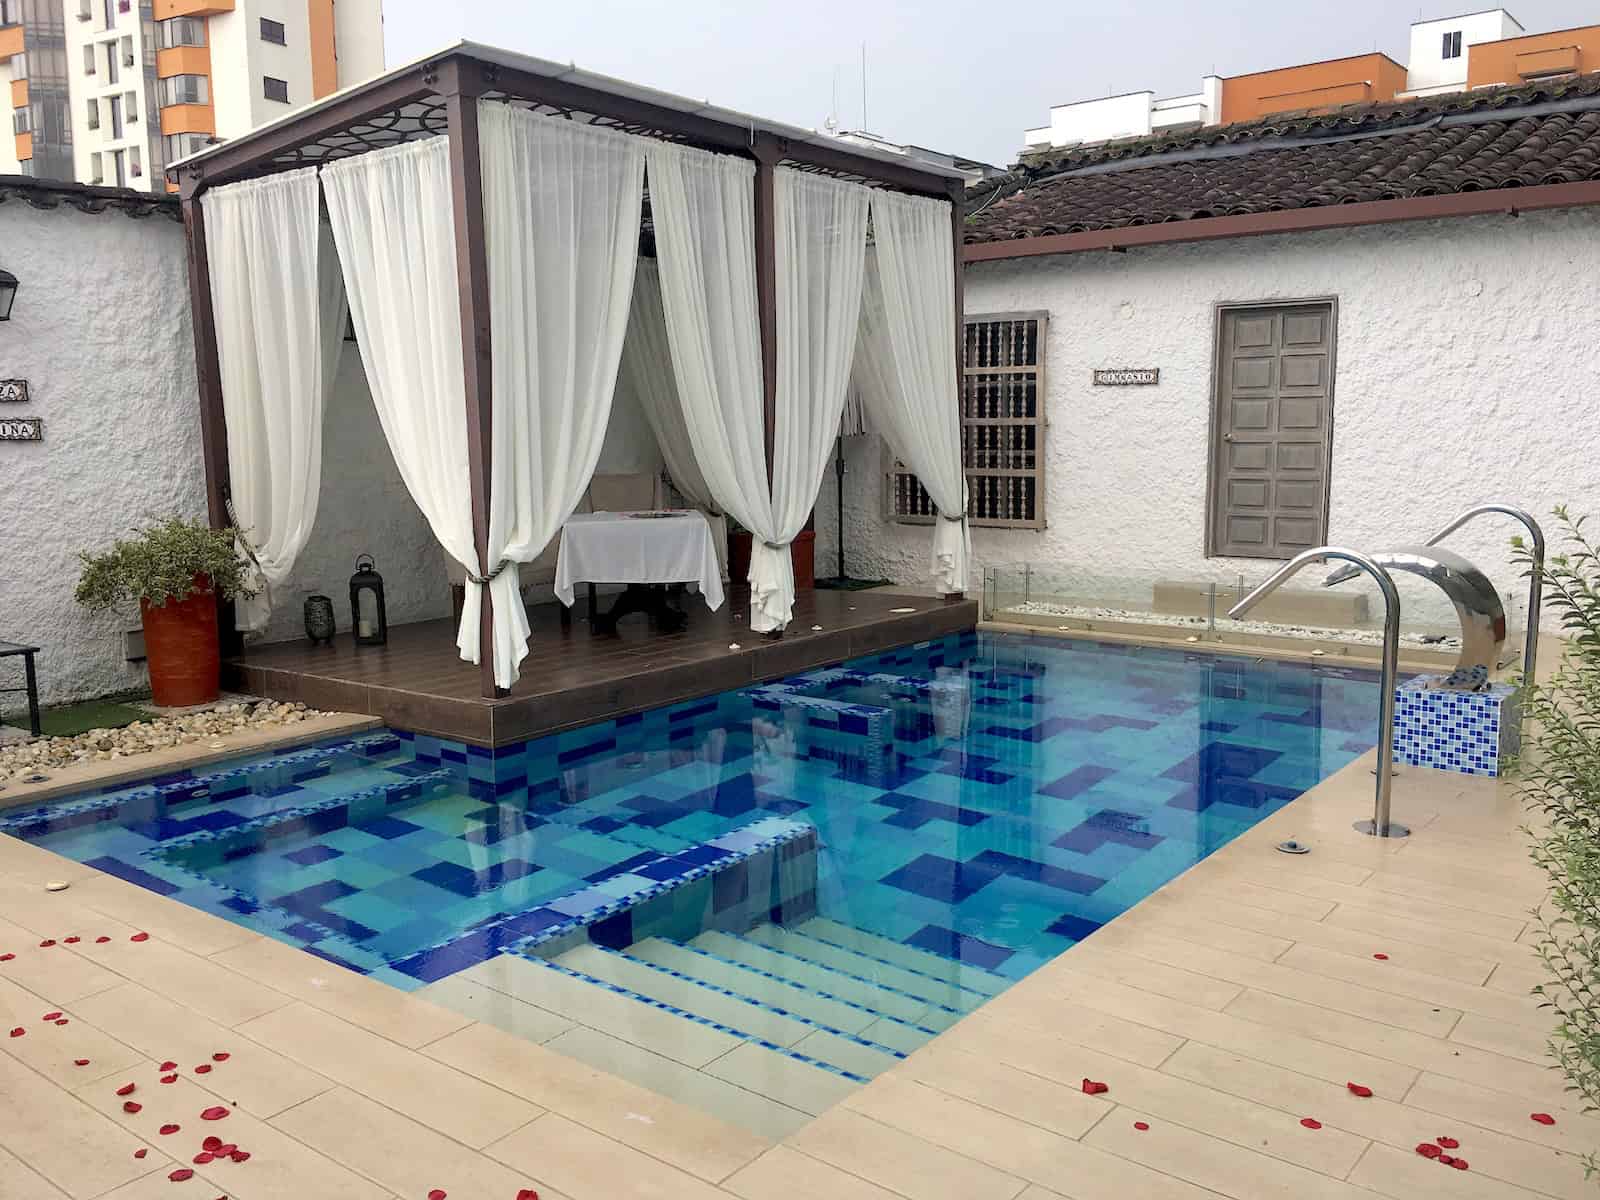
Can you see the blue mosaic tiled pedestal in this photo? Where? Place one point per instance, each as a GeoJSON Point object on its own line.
{"type": "Point", "coordinates": [1469, 732]}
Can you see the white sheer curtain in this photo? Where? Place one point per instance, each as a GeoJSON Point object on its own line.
{"type": "Point", "coordinates": [395, 229]}
{"type": "Point", "coordinates": [906, 362]}
{"type": "Point", "coordinates": [703, 206]}
{"type": "Point", "coordinates": [279, 307]}
{"type": "Point", "coordinates": [647, 374]}
{"type": "Point", "coordinates": [561, 206]}
{"type": "Point", "coordinates": [821, 243]}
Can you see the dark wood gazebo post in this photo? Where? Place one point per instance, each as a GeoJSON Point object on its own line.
{"type": "Point", "coordinates": [461, 88]}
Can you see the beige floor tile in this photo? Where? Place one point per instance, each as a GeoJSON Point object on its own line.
{"type": "Point", "coordinates": [1239, 891]}
{"type": "Point", "coordinates": [727, 1102]}
{"type": "Point", "coordinates": [586, 1165]}
{"type": "Point", "coordinates": [255, 1078]}
{"type": "Point", "coordinates": [1324, 1060]}
{"type": "Point", "coordinates": [1401, 888]}
{"type": "Point", "coordinates": [197, 932]}
{"type": "Point", "coordinates": [1380, 925]}
{"type": "Point", "coordinates": [1206, 1162]}
{"type": "Point", "coordinates": [401, 1155]}
{"type": "Point", "coordinates": [800, 1085]}
{"type": "Point", "coordinates": [199, 984]}
{"type": "Point", "coordinates": [1519, 975]}
{"type": "Point", "coordinates": [1392, 977]}
{"type": "Point", "coordinates": [1321, 865]}
{"type": "Point", "coordinates": [625, 1111]}
{"type": "Point", "coordinates": [56, 973]}
{"type": "Point", "coordinates": [1518, 1041]}
{"type": "Point", "coordinates": [983, 1079]}
{"type": "Point", "coordinates": [785, 1174]}
{"type": "Point", "coordinates": [1174, 922]}
{"type": "Point", "coordinates": [1116, 958]}
{"type": "Point", "coordinates": [1048, 1001]}
{"type": "Point", "coordinates": [916, 1168]}
{"type": "Point", "coordinates": [480, 1002]}
{"type": "Point", "coordinates": [56, 915]}
{"type": "Point", "coordinates": [1406, 1175]}
{"type": "Point", "coordinates": [53, 1050]}
{"type": "Point", "coordinates": [1572, 1133]}
{"type": "Point", "coordinates": [1241, 972]}
{"type": "Point", "coordinates": [1395, 1124]}
{"type": "Point", "coordinates": [1020, 1149]}
{"type": "Point", "coordinates": [454, 1103]}
{"type": "Point", "coordinates": [29, 866]}
{"type": "Point", "coordinates": [1428, 957]}
{"type": "Point", "coordinates": [1454, 1060]}
{"type": "Point", "coordinates": [279, 1168]}
{"type": "Point", "coordinates": [61, 1137]}
{"type": "Point", "coordinates": [1458, 867]}
{"type": "Point", "coordinates": [374, 1006]}
{"type": "Point", "coordinates": [18, 1181]}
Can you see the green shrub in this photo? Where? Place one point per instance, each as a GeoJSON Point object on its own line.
{"type": "Point", "coordinates": [159, 563]}
{"type": "Point", "coordinates": [1560, 773]}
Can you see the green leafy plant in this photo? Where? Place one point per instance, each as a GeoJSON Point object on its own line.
{"type": "Point", "coordinates": [1560, 775]}
{"type": "Point", "coordinates": [160, 563]}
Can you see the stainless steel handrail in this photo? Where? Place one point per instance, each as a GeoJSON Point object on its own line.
{"type": "Point", "coordinates": [1530, 645]}
{"type": "Point", "coordinates": [1380, 825]}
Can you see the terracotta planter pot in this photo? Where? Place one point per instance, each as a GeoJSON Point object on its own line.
{"type": "Point", "coordinates": [181, 647]}
{"type": "Point", "coordinates": [802, 554]}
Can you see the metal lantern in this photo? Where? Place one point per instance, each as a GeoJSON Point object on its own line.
{"type": "Point", "coordinates": [368, 620]}
{"type": "Point", "coordinates": [8, 293]}
{"type": "Point", "coordinates": [319, 620]}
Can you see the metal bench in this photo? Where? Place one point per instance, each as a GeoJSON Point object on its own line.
{"type": "Point", "coordinates": [11, 650]}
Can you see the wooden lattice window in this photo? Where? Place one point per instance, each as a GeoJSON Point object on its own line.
{"type": "Point", "coordinates": [1002, 428]}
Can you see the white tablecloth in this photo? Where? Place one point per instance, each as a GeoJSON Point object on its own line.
{"type": "Point", "coordinates": [608, 547]}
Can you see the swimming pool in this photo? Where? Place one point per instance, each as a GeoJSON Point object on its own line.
{"type": "Point", "coordinates": [761, 897]}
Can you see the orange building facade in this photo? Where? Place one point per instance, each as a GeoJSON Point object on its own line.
{"type": "Point", "coordinates": [1355, 80]}
{"type": "Point", "coordinates": [1514, 60]}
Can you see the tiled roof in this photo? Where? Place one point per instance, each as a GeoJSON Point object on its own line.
{"type": "Point", "coordinates": [1460, 142]}
{"type": "Point", "coordinates": [52, 193]}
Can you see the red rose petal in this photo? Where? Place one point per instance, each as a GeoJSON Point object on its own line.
{"type": "Point", "coordinates": [170, 1129]}
{"type": "Point", "coordinates": [1446, 1161]}
{"type": "Point", "coordinates": [125, 1090]}
{"type": "Point", "coordinates": [203, 1069]}
{"type": "Point", "coordinates": [1429, 1150]}
{"type": "Point", "coordinates": [226, 1148]}
{"type": "Point", "coordinates": [1141, 1126]}
{"type": "Point", "coordinates": [212, 1144]}
{"type": "Point", "coordinates": [527, 1194]}
{"type": "Point", "coordinates": [47, 943]}
{"type": "Point", "coordinates": [18, 1031]}
{"type": "Point", "coordinates": [239, 1155]}
{"type": "Point", "coordinates": [215, 1113]}
{"type": "Point", "coordinates": [437, 1194]}
{"type": "Point", "coordinates": [181, 1174]}
{"type": "Point", "coordinates": [1449, 1143]}
{"type": "Point", "coordinates": [1381, 957]}
{"type": "Point", "coordinates": [7, 956]}
{"type": "Point", "coordinates": [169, 1079]}
{"type": "Point", "coordinates": [169, 1065]}
{"type": "Point", "coordinates": [1459, 1164]}
{"type": "Point", "coordinates": [51, 1016]}
{"type": "Point", "coordinates": [61, 1020]}
{"type": "Point", "coordinates": [201, 1159]}
{"type": "Point", "coordinates": [131, 1106]}
{"type": "Point", "coordinates": [1359, 1089]}
{"type": "Point", "coordinates": [101, 940]}
{"type": "Point", "coordinates": [140, 1152]}
{"type": "Point", "coordinates": [1311, 1122]}
{"type": "Point", "coordinates": [73, 940]}
{"type": "Point", "coordinates": [140, 937]}
{"type": "Point", "coordinates": [1092, 1088]}
{"type": "Point", "coordinates": [80, 1062]}
{"type": "Point", "coordinates": [1542, 1118]}
{"type": "Point", "coordinates": [220, 1056]}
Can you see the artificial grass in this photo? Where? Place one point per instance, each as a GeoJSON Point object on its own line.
{"type": "Point", "coordinates": [69, 720]}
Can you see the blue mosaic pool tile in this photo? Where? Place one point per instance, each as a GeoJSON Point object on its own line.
{"type": "Point", "coordinates": [1468, 732]}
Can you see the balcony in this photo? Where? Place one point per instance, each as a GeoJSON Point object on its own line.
{"type": "Point", "coordinates": [11, 42]}
{"type": "Point", "coordinates": [19, 93]}
{"type": "Point", "coordinates": [1558, 60]}
{"type": "Point", "coordinates": [190, 8]}
{"type": "Point", "coordinates": [183, 60]}
{"type": "Point", "coordinates": [187, 118]}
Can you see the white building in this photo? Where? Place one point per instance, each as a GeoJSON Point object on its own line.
{"type": "Point", "coordinates": [1133, 114]}
{"type": "Point", "coordinates": [1437, 61]}
{"type": "Point", "coordinates": [1339, 378]}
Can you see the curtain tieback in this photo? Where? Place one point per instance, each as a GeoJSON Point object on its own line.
{"type": "Point", "coordinates": [238, 532]}
{"type": "Point", "coordinates": [492, 575]}
{"type": "Point", "coordinates": [960, 516]}
{"type": "Point", "coordinates": [775, 545]}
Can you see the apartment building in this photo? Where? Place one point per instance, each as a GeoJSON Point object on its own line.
{"type": "Point", "coordinates": [1446, 54]}
{"type": "Point", "coordinates": [113, 90]}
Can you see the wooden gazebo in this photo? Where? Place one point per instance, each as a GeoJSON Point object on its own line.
{"type": "Point", "coordinates": [439, 95]}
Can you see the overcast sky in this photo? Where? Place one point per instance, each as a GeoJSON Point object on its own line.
{"type": "Point", "coordinates": [966, 76]}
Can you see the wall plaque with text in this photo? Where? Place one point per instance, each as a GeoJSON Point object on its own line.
{"type": "Point", "coordinates": [1127, 376]}
{"type": "Point", "coordinates": [13, 391]}
{"type": "Point", "coordinates": [21, 429]}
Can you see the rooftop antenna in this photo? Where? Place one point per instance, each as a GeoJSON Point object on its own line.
{"type": "Point", "coordinates": [864, 125]}
{"type": "Point", "coordinates": [831, 125]}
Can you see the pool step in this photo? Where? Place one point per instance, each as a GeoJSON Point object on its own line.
{"type": "Point", "coordinates": [972, 978]}
{"type": "Point", "coordinates": [941, 989]}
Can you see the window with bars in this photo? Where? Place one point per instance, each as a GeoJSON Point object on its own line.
{"type": "Point", "coordinates": [1002, 427]}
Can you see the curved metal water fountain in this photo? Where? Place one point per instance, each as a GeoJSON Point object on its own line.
{"type": "Point", "coordinates": [1380, 825]}
{"type": "Point", "coordinates": [1530, 645]}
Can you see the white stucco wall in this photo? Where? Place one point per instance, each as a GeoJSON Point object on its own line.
{"type": "Point", "coordinates": [100, 331]}
{"type": "Point", "coordinates": [1468, 370]}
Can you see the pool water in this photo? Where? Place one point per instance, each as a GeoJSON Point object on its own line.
{"type": "Point", "coordinates": [831, 867]}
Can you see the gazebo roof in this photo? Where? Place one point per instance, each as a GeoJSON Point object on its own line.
{"type": "Point", "coordinates": [406, 103]}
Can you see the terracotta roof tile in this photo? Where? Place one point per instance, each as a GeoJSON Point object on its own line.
{"type": "Point", "coordinates": [1436, 145]}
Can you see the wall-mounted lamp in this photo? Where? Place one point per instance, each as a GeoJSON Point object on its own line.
{"type": "Point", "coordinates": [8, 293]}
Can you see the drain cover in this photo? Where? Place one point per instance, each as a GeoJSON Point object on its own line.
{"type": "Point", "coordinates": [1294, 847]}
{"type": "Point", "coordinates": [35, 778]}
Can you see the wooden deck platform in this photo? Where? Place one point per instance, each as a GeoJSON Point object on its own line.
{"type": "Point", "coordinates": [573, 677]}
